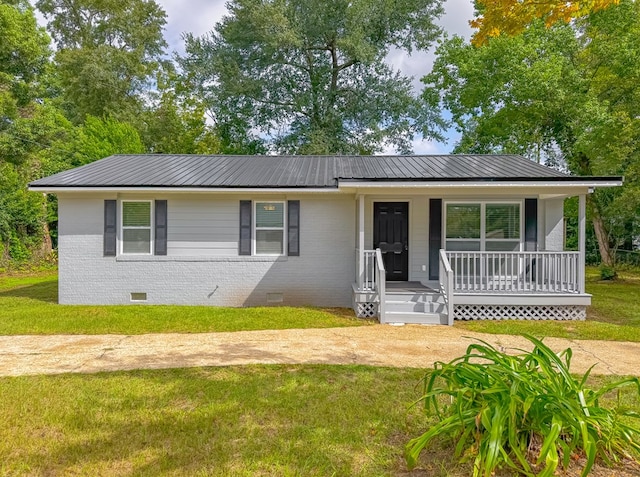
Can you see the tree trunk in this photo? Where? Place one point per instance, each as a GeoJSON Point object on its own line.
{"type": "Point", "coordinates": [602, 234]}
{"type": "Point", "coordinates": [47, 246]}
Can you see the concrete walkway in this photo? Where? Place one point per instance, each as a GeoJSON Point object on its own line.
{"type": "Point", "coordinates": [379, 345]}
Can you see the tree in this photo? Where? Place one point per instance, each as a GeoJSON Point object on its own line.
{"type": "Point", "coordinates": [566, 95]}
{"type": "Point", "coordinates": [108, 51]}
{"type": "Point", "coordinates": [311, 77]}
{"type": "Point", "coordinates": [26, 128]}
{"type": "Point", "coordinates": [173, 121]}
{"type": "Point", "coordinates": [512, 17]}
{"type": "Point", "coordinates": [98, 138]}
{"type": "Point", "coordinates": [24, 52]}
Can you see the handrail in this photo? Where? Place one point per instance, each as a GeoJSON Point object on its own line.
{"type": "Point", "coordinates": [446, 284]}
{"type": "Point", "coordinates": [374, 278]}
{"type": "Point", "coordinates": [519, 272]}
{"type": "Point", "coordinates": [381, 279]}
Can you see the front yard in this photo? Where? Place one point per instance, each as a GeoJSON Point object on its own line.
{"type": "Point", "coordinates": [311, 420]}
{"type": "Point", "coordinates": [28, 305]}
{"type": "Point", "coordinates": [252, 420]}
{"type": "Point", "coordinates": [287, 420]}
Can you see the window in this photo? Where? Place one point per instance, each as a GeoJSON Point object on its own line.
{"type": "Point", "coordinates": [269, 228]}
{"type": "Point", "coordinates": [136, 227]}
{"type": "Point", "coordinates": [489, 226]}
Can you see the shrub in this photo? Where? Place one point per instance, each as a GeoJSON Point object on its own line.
{"type": "Point", "coordinates": [525, 411]}
{"type": "Point", "coordinates": [607, 272]}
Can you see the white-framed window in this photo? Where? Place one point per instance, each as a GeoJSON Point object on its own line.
{"type": "Point", "coordinates": [136, 227]}
{"type": "Point", "coordinates": [492, 226]}
{"type": "Point", "coordinates": [269, 227]}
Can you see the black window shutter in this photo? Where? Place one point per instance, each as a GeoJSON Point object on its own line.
{"type": "Point", "coordinates": [110, 228]}
{"type": "Point", "coordinates": [160, 240]}
{"type": "Point", "coordinates": [530, 225]}
{"type": "Point", "coordinates": [244, 247]}
{"type": "Point", "coordinates": [293, 228]}
{"type": "Point", "coordinates": [435, 237]}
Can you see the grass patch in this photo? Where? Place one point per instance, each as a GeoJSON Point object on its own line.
{"type": "Point", "coordinates": [254, 420]}
{"type": "Point", "coordinates": [311, 420]}
{"type": "Point", "coordinates": [28, 304]}
{"type": "Point", "coordinates": [613, 316]}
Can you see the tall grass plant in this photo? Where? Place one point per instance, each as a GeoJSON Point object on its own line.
{"type": "Point", "coordinates": [526, 412]}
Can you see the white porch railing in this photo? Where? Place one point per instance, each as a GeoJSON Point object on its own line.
{"type": "Point", "coordinates": [536, 272]}
{"type": "Point", "coordinates": [446, 285]}
{"type": "Point", "coordinates": [374, 277]}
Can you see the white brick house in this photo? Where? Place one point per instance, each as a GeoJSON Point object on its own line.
{"type": "Point", "coordinates": [408, 239]}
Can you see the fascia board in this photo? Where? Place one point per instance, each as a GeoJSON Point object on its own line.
{"type": "Point", "coordinates": [475, 184]}
{"type": "Point", "coordinates": [187, 190]}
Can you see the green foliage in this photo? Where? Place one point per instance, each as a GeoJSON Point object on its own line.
{"type": "Point", "coordinates": [20, 214]}
{"type": "Point", "coordinates": [566, 95]}
{"type": "Point", "coordinates": [526, 412]}
{"type": "Point", "coordinates": [98, 138]}
{"type": "Point", "coordinates": [24, 50]}
{"type": "Point", "coordinates": [174, 123]}
{"type": "Point", "coordinates": [311, 76]}
{"type": "Point", "coordinates": [108, 50]}
{"type": "Point", "coordinates": [607, 272]}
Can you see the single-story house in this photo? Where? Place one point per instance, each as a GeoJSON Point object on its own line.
{"type": "Point", "coordinates": [407, 239]}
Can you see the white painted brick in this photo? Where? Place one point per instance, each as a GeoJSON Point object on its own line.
{"type": "Point", "coordinates": [321, 276]}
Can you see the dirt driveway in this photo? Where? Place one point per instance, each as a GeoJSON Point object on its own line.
{"type": "Point", "coordinates": [380, 345]}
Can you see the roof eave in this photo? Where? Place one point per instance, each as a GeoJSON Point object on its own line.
{"type": "Point", "coordinates": [55, 189]}
{"type": "Point", "coordinates": [511, 182]}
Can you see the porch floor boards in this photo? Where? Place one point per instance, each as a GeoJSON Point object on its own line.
{"type": "Point", "coordinates": [409, 287]}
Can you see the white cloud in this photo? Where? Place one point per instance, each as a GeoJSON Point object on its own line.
{"type": "Point", "coordinates": [193, 16]}
{"type": "Point", "coordinates": [455, 20]}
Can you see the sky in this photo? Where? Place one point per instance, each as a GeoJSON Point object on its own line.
{"type": "Point", "coordinates": [200, 16]}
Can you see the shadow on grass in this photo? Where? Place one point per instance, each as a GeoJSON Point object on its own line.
{"type": "Point", "coordinates": [44, 291]}
{"type": "Point", "coordinates": [255, 420]}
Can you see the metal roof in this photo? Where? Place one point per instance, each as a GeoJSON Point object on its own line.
{"type": "Point", "coordinates": [218, 171]}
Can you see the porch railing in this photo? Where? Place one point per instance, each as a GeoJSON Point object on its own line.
{"type": "Point", "coordinates": [536, 272]}
{"type": "Point", "coordinates": [374, 277]}
{"type": "Point", "coordinates": [446, 285]}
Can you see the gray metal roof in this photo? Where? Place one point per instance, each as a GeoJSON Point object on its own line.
{"type": "Point", "coordinates": [217, 171]}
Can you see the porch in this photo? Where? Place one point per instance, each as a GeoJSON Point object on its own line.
{"type": "Point", "coordinates": [477, 285]}
{"type": "Point", "coordinates": [465, 285]}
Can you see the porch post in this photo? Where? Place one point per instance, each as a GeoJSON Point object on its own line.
{"type": "Point", "coordinates": [360, 240]}
{"type": "Point", "coordinates": [582, 227]}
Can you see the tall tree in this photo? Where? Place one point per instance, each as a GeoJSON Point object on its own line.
{"type": "Point", "coordinates": [311, 76]}
{"type": "Point", "coordinates": [24, 53]}
{"type": "Point", "coordinates": [173, 120]}
{"type": "Point", "coordinates": [26, 128]}
{"type": "Point", "coordinates": [512, 17]}
{"type": "Point", "coordinates": [108, 51]}
{"type": "Point", "coordinates": [566, 94]}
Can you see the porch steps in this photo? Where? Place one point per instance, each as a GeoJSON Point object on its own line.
{"type": "Point", "coordinates": [415, 305]}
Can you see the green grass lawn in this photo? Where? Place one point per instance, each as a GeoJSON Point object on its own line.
{"type": "Point", "coordinates": [614, 314]}
{"type": "Point", "coordinates": [28, 305]}
{"type": "Point", "coordinates": [311, 420]}
{"type": "Point", "coordinates": [253, 420]}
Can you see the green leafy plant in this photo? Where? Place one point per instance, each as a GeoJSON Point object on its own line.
{"type": "Point", "coordinates": [607, 272]}
{"type": "Point", "coordinates": [525, 411]}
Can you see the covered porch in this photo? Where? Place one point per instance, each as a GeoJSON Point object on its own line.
{"type": "Point", "coordinates": [422, 268]}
